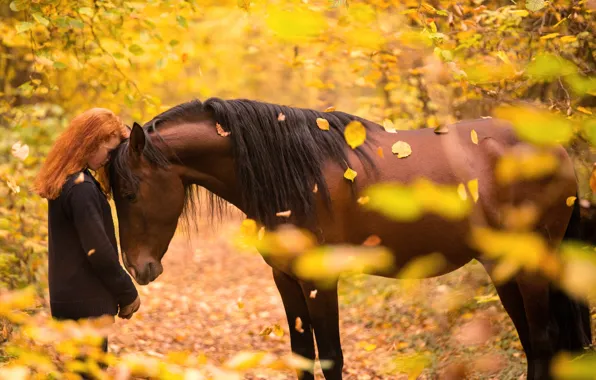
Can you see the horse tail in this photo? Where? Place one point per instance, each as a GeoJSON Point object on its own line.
{"type": "Point", "coordinates": [572, 316]}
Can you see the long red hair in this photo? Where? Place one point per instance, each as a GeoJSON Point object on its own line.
{"type": "Point", "coordinates": [74, 146]}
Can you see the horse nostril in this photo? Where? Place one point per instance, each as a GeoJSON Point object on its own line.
{"type": "Point", "coordinates": [150, 271]}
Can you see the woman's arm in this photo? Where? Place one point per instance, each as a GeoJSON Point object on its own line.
{"type": "Point", "coordinates": [87, 217]}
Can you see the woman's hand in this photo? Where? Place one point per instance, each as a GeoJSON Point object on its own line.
{"type": "Point", "coordinates": [127, 311]}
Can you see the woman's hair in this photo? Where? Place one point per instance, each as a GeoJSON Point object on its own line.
{"type": "Point", "coordinates": [73, 148]}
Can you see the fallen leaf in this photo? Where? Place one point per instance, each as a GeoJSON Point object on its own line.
{"type": "Point", "coordinates": [570, 201]}
{"type": "Point", "coordinates": [313, 293]}
{"type": "Point", "coordinates": [473, 188]}
{"type": "Point", "coordinates": [277, 330]}
{"type": "Point", "coordinates": [380, 152]}
{"type": "Point", "coordinates": [281, 117]}
{"type": "Point", "coordinates": [285, 214]}
{"type": "Point", "coordinates": [388, 126]}
{"type": "Point", "coordinates": [240, 303]}
{"type": "Point", "coordinates": [20, 151]}
{"type": "Point", "coordinates": [355, 134]}
{"type": "Point", "coordinates": [372, 241]}
{"type": "Point", "coordinates": [474, 137]}
{"type": "Point", "coordinates": [461, 191]}
{"type": "Point", "coordinates": [350, 174]}
{"type": "Point", "coordinates": [323, 124]}
{"type": "Point", "coordinates": [298, 325]}
{"type": "Point", "coordinates": [441, 129]}
{"type": "Point", "coordinates": [220, 130]}
{"type": "Point", "coordinates": [329, 109]}
{"type": "Point", "coordinates": [261, 233]}
{"type": "Point", "coordinates": [363, 200]}
{"type": "Point", "coordinates": [580, 109]}
{"type": "Point", "coordinates": [402, 149]}
{"type": "Point", "coordinates": [80, 178]}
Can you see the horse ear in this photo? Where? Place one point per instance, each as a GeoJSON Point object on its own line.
{"type": "Point", "coordinates": [137, 139]}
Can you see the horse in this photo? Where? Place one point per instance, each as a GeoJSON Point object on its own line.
{"type": "Point", "coordinates": [267, 159]}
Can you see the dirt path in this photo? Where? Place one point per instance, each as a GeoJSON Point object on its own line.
{"type": "Point", "coordinates": [214, 300]}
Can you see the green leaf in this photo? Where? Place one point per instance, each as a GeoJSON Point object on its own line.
{"type": "Point", "coordinates": [24, 26]}
{"type": "Point", "coordinates": [537, 126]}
{"type": "Point", "coordinates": [86, 11]}
{"type": "Point", "coordinates": [549, 66]}
{"type": "Point", "coordinates": [535, 5]}
{"type": "Point", "coordinates": [118, 55]}
{"type": "Point", "coordinates": [59, 65]}
{"type": "Point", "coordinates": [15, 6]}
{"type": "Point", "coordinates": [182, 21]}
{"type": "Point", "coordinates": [136, 49]}
{"type": "Point", "coordinates": [581, 85]}
{"type": "Point", "coordinates": [40, 19]}
{"type": "Point", "coordinates": [76, 23]}
{"type": "Point", "coordinates": [174, 43]}
{"type": "Point", "coordinates": [589, 129]}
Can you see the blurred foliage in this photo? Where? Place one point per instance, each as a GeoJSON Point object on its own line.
{"type": "Point", "coordinates": [405, 64]}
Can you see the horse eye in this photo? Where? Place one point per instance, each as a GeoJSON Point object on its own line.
{"type": "Point", "coordinates": [131, 197]}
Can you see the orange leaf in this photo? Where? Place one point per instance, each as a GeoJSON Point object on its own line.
{"type": "Point", "coordinates": [323, 124]}
{"type": "Point", "coordinates": [372, 241]}
{"type": "Point", "coordinates": [220, 130]}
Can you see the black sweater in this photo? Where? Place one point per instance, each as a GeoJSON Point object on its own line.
{"type": "Point", "coordinates": [85, 277]}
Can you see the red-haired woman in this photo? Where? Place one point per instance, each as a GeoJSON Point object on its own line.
{"type": "Point", "coordinates": [85, 277]}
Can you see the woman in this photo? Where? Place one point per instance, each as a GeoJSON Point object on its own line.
{"type": "Point", "coordinates": [85, 277]}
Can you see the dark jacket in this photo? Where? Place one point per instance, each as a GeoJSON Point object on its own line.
{"type": "Point", "coordinates": [85, 277]}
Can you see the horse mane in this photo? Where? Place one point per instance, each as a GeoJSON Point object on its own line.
{"type": "Point", "coordinates": [278, 162]}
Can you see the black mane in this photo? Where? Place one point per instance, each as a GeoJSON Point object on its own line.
{"type": "Point", "coordinates": [278, 162]}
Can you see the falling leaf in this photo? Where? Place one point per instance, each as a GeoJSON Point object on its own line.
{"type": "Point", "coordinates": [240, 303]}
{"type": "Point", "coordinates": [285, 214]}
{"type": "Point", "coordinates": [355, 134]}
{"type": "Point", "coordinates": [323, 124]}
{"type": "Point", "coordinates": [372, 241]}
{"type": "Point", "coordinates": [329, 109]}
{"type": "Point", "coordinates": [474, 137]}
{"type": "Point", "coordinates": [503, 56]}
{"type": "Point", "coordinates": [80, 178]}
{"type": "Point", "coordinates": [402, 149]}
{"type": "Point", "coordinates": [380, 152]}
{"type": "Point", "coordinates": [363, 200]}
{"type": "Point", "coordinates": [92, 251]}
{"type": "Point", "coordinates": [278, 331]}
{"type": "Point", "coordinates": [315, 188]}
{"type": "Point", "coordinates": [584, 110]}
{"type": "Point", "coordinates": [313, 293]}
{"type": "Point", "coordinates": [350, 174]}
{"type": "Point", "coordinates": [220, 130]}
{"type": "Point", "coordinates": [261, 233]}
{"type": "Point", "coordinates": [461, 191]}
{"type": "Point", "coordinates": [570, 201]}
{"type": "Point", "coordinates": [281, 117]}
{"type": "Point", "coordinates": [567, 39]}
{"type": "Point", "coordinates": [549, 36]}
{"type": "Point", "coordinates": [388, 126]}
{"type": "Point", "coordinates": [473, 188]}
{"type": "Point", "coordinates": [298, 325]}
{"type": "Point", "coordinates": [20, 151]}
{"type": "Point", "coordinates": [441, 129]}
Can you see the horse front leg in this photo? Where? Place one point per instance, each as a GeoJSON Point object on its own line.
{"type": "Point", "coordinates": [302, 342]}
{"type": "Point", "coordinates": [324, 316]}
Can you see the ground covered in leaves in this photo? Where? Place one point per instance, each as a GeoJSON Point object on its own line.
{"type": "Point", "coordinates": [215, 300]}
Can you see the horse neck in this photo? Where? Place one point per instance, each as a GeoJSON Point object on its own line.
{"type": "Point", "coordinates": [201, 157]}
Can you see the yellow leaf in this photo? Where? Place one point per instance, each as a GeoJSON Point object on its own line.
{"type": "Point", "coordinates": [323, 124]}
{"type": "Point", "coordinates": [80, 178]}
{"type": "Point", "coordinates": [329, 109]}
{"type": "Point", "coordinates": [474, 137]}
{"type": "Point", "coordinates": [284, 214]}
{"type": "Point", "coordinates": [570, 201]}
{"type": "Point", "coordinates": [298, 325]}
{"type": "Point", "coordinates": [363, 200]}
{"type": "Point", "coordinates": [92, 251]}
{"type": "Point", "coordinates": [388, 126]}
{"type": "Point", "coordinates": [402, 149]}
{"type": "Point", "coordinates": [220, 130]}
{"type": "Point", "coordinates": [423, 266]}
{"type": "Point", "coordinates": [461, 191]}
{"type": "Point", "coordinates": [503, 56]}
{"type": "Point", "coordinates": [20, 151]}
{"type": "Point", "coordinates": [277, 330]}
{"type": "Point", "coordinates": [355, 134]}
{"type": "Point", "coordinates": [313, 293]}
{"type": "Point", "coordinates": [525, 166]}
{"type": "Point", "coordinates": [370, 347]}
{"type": "Point", "coordinates": [567, 39]}
{"type": "Point", "coordinates": [549, 36]}
{"type": "Point", "coordinates": [584, 110]}
{"type": "Point", "coordinates": [350, 174]}
{"type": "Point", "coordinates": [261, 233]}
{"type": "Point", "coordinates": [473, 188]}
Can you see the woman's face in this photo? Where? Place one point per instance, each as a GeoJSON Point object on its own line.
{"type": "Point", "coordinates": [102, 154]}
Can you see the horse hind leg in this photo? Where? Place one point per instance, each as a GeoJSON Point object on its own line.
{"type": "Point", "coordinates": [513, 302]}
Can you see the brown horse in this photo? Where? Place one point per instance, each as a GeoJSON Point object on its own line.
{"type": "Point", "coordinates": [266, 158]}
